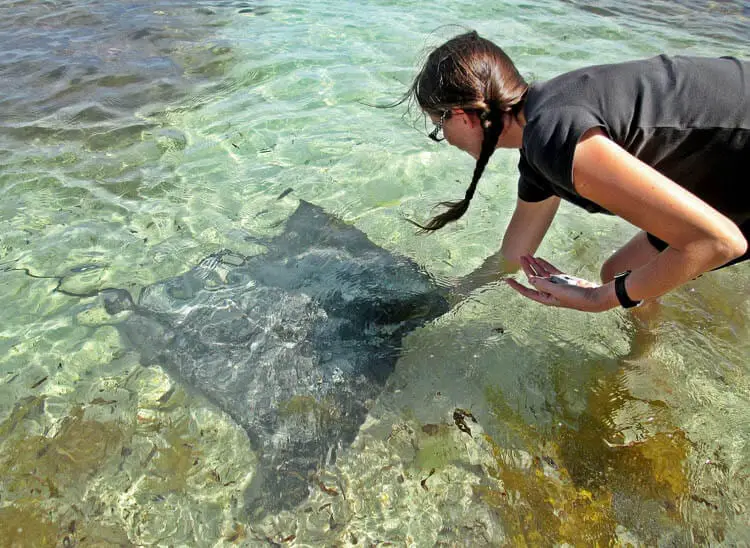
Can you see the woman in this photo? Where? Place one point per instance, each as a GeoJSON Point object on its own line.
{"type": "Point", "coordinates": [663, 143]}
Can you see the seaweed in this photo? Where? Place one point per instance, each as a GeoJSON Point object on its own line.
{"type": "Point", "coordinates": [563, 490]}
{"type": "Point", "coordinates": [174, 464]}
{"type": "Point", "coordinates": [328, 490]}
{"type": "Point", "coordinates": [78, 449]}
{"type": "Point", "coordinates": [26, 527]}
{"type": "Point", "coordinates": [237, 534]}
{"type": "Point", "coordinates": [39, 473]}
{"type": "Point", "coordinates": [460, 416]}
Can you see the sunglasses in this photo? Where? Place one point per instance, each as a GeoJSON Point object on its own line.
{"type": "Point", "coordinates": [437, 133]}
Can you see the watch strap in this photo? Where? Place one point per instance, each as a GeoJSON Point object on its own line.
{"type": "Point", "coordinates": [622, 293]}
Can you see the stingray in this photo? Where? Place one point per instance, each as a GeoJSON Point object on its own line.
{"type": "Point", "coordinates": [291, 344]}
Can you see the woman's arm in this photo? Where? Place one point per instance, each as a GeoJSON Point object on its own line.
{"type": "Point", "coordinates": [525, 231]}
{"type": "Point", "coordinates": [699, 237]}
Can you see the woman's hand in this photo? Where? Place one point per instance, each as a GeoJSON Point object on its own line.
{"type": "Point", "coordinates": [554, 288]}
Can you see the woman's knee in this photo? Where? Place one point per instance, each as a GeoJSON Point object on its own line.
{"type": "Point", "coordinates": [632, 255]}
{"type": "Point", "coordinates": [608, 270]}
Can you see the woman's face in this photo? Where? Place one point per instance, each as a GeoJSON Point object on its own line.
{"type": "Point", "coordinates": [462, 130]}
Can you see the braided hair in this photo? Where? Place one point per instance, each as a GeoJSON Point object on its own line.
{"type": "Point", "coordinates": [471, 73]}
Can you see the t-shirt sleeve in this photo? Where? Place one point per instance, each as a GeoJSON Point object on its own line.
{"type": "Point", "coordinates": [531, 187]}
{"type": "Point", "coordinates": [550, 139]}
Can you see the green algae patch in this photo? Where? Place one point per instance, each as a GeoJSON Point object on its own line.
{"type": "Point", "coordinates": [24, 526]}
{"type": "Point", "coordinates": [664, 455]}
{"type": "Point", "coordinates": [82, 446]}
{"type": "Point", "coordinates": [323, 411]}
{"type": "Point", "coordinates": [31, 407]}
{"type": "Point", "coordinates": [43, 467]}
{"type": "Point", "coordinates": [177, 462]}
{"type": "Point", "coordinates": [562, 487]}
{"type": "Point", "coordinates": [598, 455]}
{"type": "Point", "coordinates": [520, 430]}
{"type": "Point", "coordinates": [652, 468]}
{"type": "Point", "coordinates": [119, 470]}
{"type": "Point", "coordinates": [438, 447]}
{"type": "Point", "coordinates": [539, 508]}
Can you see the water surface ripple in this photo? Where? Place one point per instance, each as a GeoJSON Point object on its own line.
{"type": "Point", "coordinates": [140, 140]}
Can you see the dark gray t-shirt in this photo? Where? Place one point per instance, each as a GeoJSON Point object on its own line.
{"type": "Point", "coordinates": [687, 117]}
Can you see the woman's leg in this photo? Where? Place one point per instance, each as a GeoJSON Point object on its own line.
{"type": "Point", "coordinates": [638, 251]}
{"type": "Point", "coordinates": [632, 255]}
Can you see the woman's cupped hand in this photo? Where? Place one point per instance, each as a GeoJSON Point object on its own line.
{"type": "Point", "coordinates": [552, 287]}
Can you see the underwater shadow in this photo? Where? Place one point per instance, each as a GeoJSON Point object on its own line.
{"type": "Point", "coordinates": [291, 344]}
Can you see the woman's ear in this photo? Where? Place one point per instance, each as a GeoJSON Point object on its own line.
{"type": "Point", "coordinates": [508, 119]}
{"type": "Point", "coordinates": [470, 118]}
{"type": "Point", "coordinates": [460, 112]}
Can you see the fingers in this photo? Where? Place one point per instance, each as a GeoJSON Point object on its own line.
{"type": "Point", "coordinates": [544, 284]}
{"type": "Point", "coordinates": [535, 266]}
{"type": "Point", "coordinates": [538, 296]}
{"type": "Point", "coordinates": [550, 268]}
{"type": "Point", "coordinates": [545, 291]}
{"type": "Point", "coordinates": [535, 270]}
{"type": "Point", "coordinates": [527, 266]}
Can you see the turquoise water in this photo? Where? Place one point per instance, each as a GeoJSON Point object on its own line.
{"type": "Point", "coordinates": [139, 138]}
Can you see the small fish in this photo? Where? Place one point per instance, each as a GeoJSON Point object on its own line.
{"type": "Point", "coordinates": [238, 533]}
{"type": "Point", "coordinates": [151, 455]}
{"type": "Point", "coordinates": [285, 193]}
{"type": "Point", "coordinates": [39, 382]}
{"type": "Point", "coordinates": [328, 490]}
{"type": "Point", "coordinates": [423, 483]}
{"type": "Point", "coordinates": [164, 398]}
{"type": "Point", "coordinates": [711, 505]}
{"type": "Point", "coordinates": [102, 401]}
{"type": "Point", "coordinates": [85, 268]}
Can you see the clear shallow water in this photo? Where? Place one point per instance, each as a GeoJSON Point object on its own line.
{"type": "Point", "coordinates": [139, 138]}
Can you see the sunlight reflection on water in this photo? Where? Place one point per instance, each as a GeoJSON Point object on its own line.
{"type": "Point", "coordinates": [140, 138]}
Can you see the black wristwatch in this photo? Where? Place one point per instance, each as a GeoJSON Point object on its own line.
{"type": "Point", "coordinates": [621, 292]}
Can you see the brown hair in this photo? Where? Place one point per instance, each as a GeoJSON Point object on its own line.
{"type": "Point", "coordinates": [471, 73]}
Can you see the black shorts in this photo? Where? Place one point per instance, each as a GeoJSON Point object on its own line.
{"type": "Point", "coordinates": [661, 245]}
